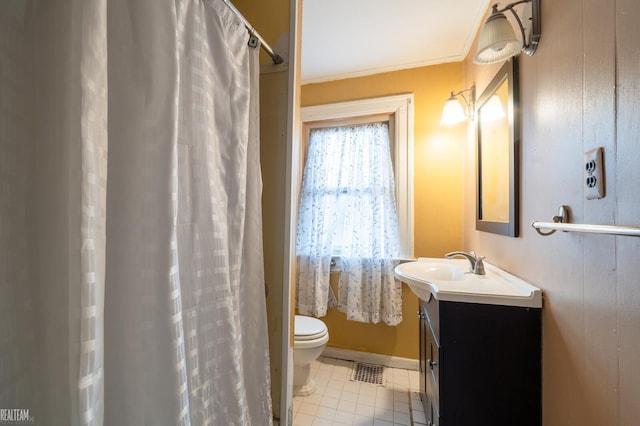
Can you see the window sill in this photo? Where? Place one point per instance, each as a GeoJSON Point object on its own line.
{"type": "Point", "coordinates": [336, 263]}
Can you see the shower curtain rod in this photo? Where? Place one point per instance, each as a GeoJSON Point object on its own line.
{"type": "Point", "coordinates": [277, 59]}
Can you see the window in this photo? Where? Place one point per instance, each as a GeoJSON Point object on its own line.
{"type": "Point", "coordinates": [351, 206]}
{"type": "Point", "coordinates": [348, 193]}
{"type": "Point", "coordinates": [397, 111]}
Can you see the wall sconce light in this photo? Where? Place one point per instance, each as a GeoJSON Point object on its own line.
{"type": "Point", "coordinates": [497, 40]}
{"type": "Point", "coordinates": [453, 112]}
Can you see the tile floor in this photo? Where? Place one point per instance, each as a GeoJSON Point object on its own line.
{"type": "Point", "coordinates": [340, 401]}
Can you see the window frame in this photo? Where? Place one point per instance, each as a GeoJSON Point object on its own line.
{"type": "Point", "coordinates": [399, 110]}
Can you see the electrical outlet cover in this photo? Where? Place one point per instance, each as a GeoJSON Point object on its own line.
{"type": "Point", "coordinates": [593, 174]}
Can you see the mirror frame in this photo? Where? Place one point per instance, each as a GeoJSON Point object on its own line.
{"type": "Point", "coordinates": [508, 72]}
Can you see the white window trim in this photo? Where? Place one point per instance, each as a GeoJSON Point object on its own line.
{"type": "Point", "coordinates": [401, 107]}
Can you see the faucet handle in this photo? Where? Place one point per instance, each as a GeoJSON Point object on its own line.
{"type": "Point", "coordinates": [478, 267]}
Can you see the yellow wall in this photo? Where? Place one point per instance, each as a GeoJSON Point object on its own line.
{"type": "Point", "coordinates": [401, 340]}
{"type": "Point", "coordinates": [580, 90]}
{"type": "Point", "coordinates": [438, 156]}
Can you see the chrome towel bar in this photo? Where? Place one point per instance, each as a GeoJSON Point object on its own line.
{"type": "Point", "coordinates": [561, 223]}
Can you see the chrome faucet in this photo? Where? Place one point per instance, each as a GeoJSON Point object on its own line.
{"type": "Point", "coordinates": [477, 266]}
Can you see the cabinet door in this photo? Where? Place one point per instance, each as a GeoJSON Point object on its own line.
{"type": "Point", "coordinates": [432, 368]}
{"type": "Point", "coordinates": [429, 358]}
{"type": "Point", "coordinates": [424, 330]}
{"type": "Point", "coordinates": [490, 366]}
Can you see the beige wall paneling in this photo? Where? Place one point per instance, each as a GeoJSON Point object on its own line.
{"type": "Point", "coordinates": [627, 185]}
{"type": "Point", "coordinates": [552, 103]}
{"type": "Point", "coordinates": [600, 317]}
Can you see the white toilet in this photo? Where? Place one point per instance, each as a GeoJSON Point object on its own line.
{"type": "Point", "coordinates": [311, 337]}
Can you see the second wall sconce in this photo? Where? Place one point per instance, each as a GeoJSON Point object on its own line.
{"type": "Point", "coordinates": [497, 40]}
{"type": "Point", "coordinates": [453, 111]}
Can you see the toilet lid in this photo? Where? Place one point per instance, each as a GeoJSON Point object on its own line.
{"type": "Point", "coordinates": [308, 328]}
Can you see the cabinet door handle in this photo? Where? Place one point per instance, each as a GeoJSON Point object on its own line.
{"type": "Point", "coordinates": [432, 363]}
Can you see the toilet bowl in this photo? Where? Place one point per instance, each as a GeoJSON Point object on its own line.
{"type": "Point", "coordinates": [311, 337]}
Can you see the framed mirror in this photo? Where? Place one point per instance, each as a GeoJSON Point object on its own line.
{"type": "Point", "coordinates": [498, 141]}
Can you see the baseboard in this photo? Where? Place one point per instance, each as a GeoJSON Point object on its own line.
{"type": "Point", "coordinates": [369, 358]}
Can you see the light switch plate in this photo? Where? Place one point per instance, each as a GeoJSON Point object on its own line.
{"type": "Point", "coordinates": [593, 174]}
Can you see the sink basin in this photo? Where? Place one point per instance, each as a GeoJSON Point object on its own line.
{"type": "Point", "coordinates": [447, 280]}
{"type": "Point", "coordinates": [437, 271]}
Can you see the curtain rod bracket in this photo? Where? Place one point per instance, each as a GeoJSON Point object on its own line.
{"type": "Point", "coordinates": [253, 41]}
{"type": "Point", "coordinates": [277, 59]}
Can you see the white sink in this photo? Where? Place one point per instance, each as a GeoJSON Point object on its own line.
{"type": "Point", "coordinates": [448, 280]}
{"type": "Point", "coordinates": [436, 271]}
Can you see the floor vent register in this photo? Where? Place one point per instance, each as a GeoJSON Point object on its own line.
{"type": "Point", "coordinates": [368, 373]}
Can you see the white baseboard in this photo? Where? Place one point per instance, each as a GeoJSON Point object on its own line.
{"type": "Point", "coordinates": [369, 358]}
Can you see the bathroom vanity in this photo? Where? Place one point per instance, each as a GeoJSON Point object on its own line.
{"type": "Point", "coordinates": [480, 344]}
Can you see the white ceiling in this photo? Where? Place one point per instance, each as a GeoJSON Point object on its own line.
{"type": "Point", "coordinates": [350, 38]}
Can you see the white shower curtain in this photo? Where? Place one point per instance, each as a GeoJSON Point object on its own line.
{"type": "Point", "coordinates": [142, 254]}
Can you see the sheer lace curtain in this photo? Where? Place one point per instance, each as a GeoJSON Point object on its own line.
{"type": "Point", "coordinates": [348, 209]}
{"type": "Point", "coordinates": [134, 289]}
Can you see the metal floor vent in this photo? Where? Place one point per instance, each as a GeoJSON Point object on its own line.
{"type": "Point", "coordinates": [368, 373]}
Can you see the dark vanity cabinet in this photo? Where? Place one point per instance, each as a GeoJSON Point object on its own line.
{"type": "Point", "coordinates": [480, 364]}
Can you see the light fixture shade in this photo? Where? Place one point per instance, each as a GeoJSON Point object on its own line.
{"type": "Point", "coordinates": [497, 41]}
{"type": "Point", "coordinates": [452, 113]}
